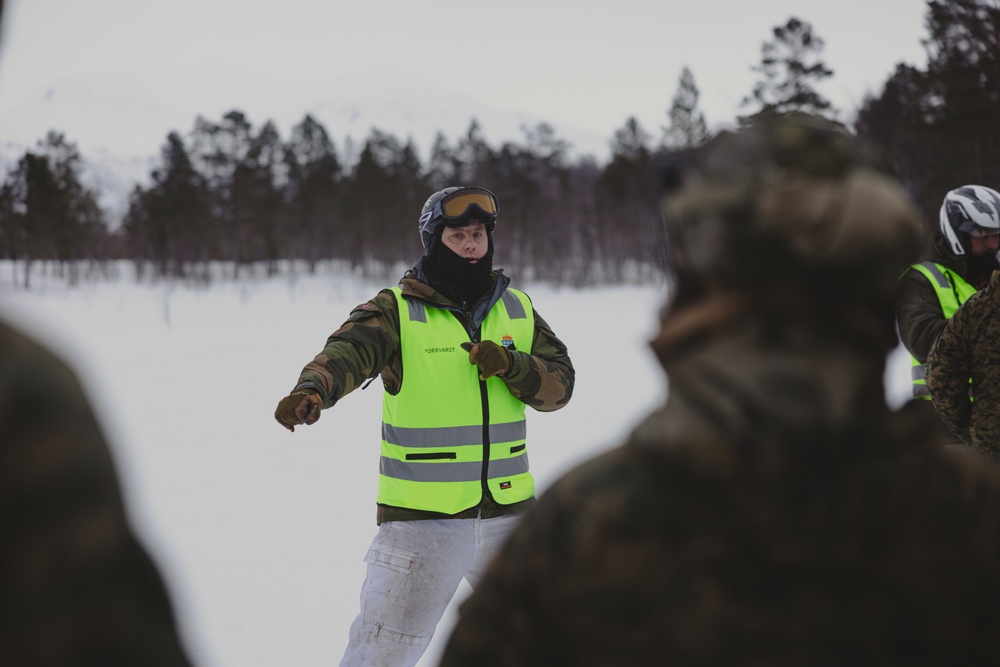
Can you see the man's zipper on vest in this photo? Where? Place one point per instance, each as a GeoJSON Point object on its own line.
{"type": "Point", "coordinates": [484, 395]}
{"type": "Point", "coordinates": [433, 456]}
{"type": "Point", "coordinates": [467, 315]}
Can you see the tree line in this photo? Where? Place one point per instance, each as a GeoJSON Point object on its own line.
{"type": "Point", "coordinates": [239, 194]}
{"type": "Point", "coordinates": [229, 191]}
{"type": "Point", "coordinates": [939, 128]}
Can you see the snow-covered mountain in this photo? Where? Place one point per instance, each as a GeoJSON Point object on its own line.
{"type": "Point", "coordinates": [120, 127]}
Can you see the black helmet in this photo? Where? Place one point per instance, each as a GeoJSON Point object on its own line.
{"type": "Point", "coordinates": [971, 210]}
{"type": "Point", "coordinates": [456, 207]}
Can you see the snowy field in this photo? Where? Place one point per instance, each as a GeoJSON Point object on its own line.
{"type": "Point", "coordinates": [260, 533]}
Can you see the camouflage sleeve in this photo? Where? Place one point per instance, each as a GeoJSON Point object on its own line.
{"type": "Point", "coordinates": [77, 585]}
{"type": "Point", "coordinates": [510, 619]}
{"type": "Point", "coordinates": [566, 574]}
{"type": "Point", "coordinates": [543, 379]}
{"type": "Point", "coordinates": [365, 344]}
{"type": "Point", "coordinates": [949, 367]}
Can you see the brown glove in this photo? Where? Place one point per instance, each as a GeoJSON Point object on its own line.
{"type": "Point", "coordinates": [300, 407]}
{"type": "Point", "coordinates": [491, 358]}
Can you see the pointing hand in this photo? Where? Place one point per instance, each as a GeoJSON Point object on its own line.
{"type": "Point", "coordinates": [300, 407]}
{"type": "Point", "coordinates": [491, 358]}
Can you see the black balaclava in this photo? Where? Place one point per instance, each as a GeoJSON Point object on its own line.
{"type": "Point", "coordinates": [981, 267]}
{"type": "Point", "coordinates": [455, 277]}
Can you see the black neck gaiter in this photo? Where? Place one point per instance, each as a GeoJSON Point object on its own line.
{"type": "Point", "coordinates": [457, 278]}
{"type": "Point", "coordinates": [981, 267]}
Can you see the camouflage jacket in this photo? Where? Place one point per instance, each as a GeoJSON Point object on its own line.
{"type": "Point", "coordinates": [367, 344]}
{"type": "Point", "coordinates": [76, 587]}
{"type": "Point", "coordinates": [772, 512]}
{"type": "Point", "coordinates": [968, 348]}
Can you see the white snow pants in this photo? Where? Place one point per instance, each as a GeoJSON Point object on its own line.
{"type": "Point", "coordinates": [414, 569]}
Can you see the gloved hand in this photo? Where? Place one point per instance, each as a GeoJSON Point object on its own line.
{"type": "Point", "coordinates": [491, 358]}
{"type": "Point", "coordinates": [300, 407]}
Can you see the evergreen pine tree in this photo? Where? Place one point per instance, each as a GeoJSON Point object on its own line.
{"type": "Point", "coordinates": [790, 65]}
{"type": "Point", "coordinates": [687, 126]}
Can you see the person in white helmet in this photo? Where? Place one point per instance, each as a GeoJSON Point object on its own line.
{"type": "Point", "coordinates": [960, 258]}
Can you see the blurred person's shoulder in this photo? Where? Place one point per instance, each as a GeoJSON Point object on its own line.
{"type": "Point", "coordinates": [20, 353]}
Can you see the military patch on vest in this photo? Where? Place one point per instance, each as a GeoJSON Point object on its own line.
{"type": "Point", "coordinates": [508, 342]}
{"type": "Point", "coordinates": [504, 485]}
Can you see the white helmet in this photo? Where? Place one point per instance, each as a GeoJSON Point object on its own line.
{"type": "Point", "coordinates": [971, 210]}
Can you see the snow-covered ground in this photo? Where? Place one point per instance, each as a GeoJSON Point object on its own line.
{"type": "Point", "coordinates": [259, 532]}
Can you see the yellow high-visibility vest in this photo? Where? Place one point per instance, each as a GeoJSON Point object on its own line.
{"type": "Point", "coordinates": [952, 291]}
{"type": "Point", "coordinates": [447, 435]}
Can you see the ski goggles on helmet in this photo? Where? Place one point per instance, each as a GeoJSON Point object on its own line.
{"type": "Point", "coordinates": [461, 206]}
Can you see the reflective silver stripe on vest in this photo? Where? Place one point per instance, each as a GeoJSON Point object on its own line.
{"type": "Point", "coordinates": [938, 276]}
{"type": "Point", "coordinates": [452, 436]}
{"type": "Point", "coordinates": [921, 390]}
{"type": "Point", "coordinates": [417, 311]}
{"type": "Point", "coordinates": [515, 309]}
{"type": "Point", "coordinates": [918, 372]}
{"type": "Point", "coordinates": [451, 472]}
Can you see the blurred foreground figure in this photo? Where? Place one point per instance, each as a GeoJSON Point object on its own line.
{"type": "Point", "coordinates": [76, 587]}
{"type": "Point", "coordinates": [773, 511]}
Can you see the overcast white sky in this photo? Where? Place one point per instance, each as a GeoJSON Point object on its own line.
{"type": "Point", "coordinates": [588, 64]}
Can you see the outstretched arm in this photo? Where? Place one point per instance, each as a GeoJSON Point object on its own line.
{"type": "Point", "coordinates": [364, 345]}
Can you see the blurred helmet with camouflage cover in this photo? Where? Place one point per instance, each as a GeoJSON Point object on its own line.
{"type": "Point", "coordinates": [789, 203]}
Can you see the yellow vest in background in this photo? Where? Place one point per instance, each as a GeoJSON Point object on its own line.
{"type": "Point", "coordinates": [952, 291]}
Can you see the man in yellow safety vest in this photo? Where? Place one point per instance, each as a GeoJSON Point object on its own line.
{"type": "Point", "coordinates": [460, 354]}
